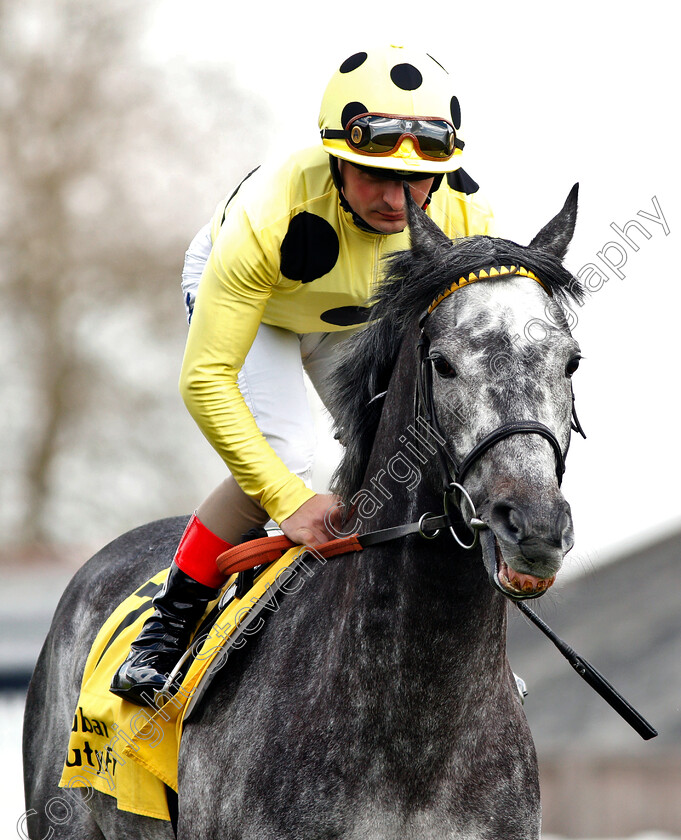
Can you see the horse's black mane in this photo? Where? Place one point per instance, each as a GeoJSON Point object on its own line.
{"type": "Point", "coordinates": [413, 279]}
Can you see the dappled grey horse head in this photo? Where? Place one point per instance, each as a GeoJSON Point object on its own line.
{"type": "Point", "coordinates": [502, 353]}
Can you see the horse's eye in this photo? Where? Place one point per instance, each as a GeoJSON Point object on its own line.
{"type": "Point", "coordinates": [572, 366]}
{"type": "Point", "coordinates": [442, 366]}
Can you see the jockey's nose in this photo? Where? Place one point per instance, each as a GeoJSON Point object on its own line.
{"type": "Point", "coordinates": [393, 194]}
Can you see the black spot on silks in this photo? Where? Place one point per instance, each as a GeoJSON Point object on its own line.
{"type": "Point", "coordinates": [346, 316]}
{"type": "Point", "coordinates": [310, 248]}
{"type": "Point", "coordinates": [455, 111]}
{"type": "Point", "coordinates": [406, 76]}
{"type": "Point", "coordinates": [352, 63]}
{"type": "Point", "coordinates": [462, 182]}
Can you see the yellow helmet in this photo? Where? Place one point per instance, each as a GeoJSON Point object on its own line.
{"type": "Point", "coordinates": [392, 108]}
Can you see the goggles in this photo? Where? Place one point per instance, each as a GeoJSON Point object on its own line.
{"type": "Point", "coordinates": [382, 134]}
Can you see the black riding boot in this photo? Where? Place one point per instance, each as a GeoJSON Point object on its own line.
{"type": "Point", "coordinates": [164, 637]}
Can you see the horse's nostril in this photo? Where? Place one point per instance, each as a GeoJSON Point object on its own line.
{"type": "Point", "coordinates": [536, 531]}
{"type": "Point", "coordinates": [509, 520]}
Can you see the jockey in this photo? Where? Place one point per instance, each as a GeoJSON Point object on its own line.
{"type": "Point", "coordinates": [288, 266]}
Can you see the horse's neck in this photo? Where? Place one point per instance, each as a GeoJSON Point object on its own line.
{"type": "Point", "coordinates": [432, 596]}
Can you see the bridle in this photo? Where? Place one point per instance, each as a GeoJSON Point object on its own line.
{"type": "Point", "coordinates": [453, 473]}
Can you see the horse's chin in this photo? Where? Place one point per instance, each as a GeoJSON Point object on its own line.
{"type": "Point", "coordinates": [514, 584]}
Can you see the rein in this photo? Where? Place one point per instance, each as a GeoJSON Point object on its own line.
{"type": "Point", "coordinates": [267, 549]}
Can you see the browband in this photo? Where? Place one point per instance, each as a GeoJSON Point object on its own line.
{"type": "Point", "coordinates": [485, 274]}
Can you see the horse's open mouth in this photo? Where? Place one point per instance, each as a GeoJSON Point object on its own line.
{"type": "Point", "coordinates": [518, 584]}
{"type": "Point", "coordinates": [515, 585]}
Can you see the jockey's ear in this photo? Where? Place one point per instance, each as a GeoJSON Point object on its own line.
{"type": "Point", "coordinates": [425, 235]}
{"type": "Point", "coordinates": [557, 234]}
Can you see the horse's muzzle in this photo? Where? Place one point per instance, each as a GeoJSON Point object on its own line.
{"type": "Point", "coordinates": [540, 532]}
{"type": "Point", "coordinates": [524, 547]}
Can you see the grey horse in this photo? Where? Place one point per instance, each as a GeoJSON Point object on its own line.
{"type": "Point", "coordinates": [377, 700]}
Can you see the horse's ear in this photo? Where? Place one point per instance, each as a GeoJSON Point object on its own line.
{"type": "Point", "coordinates": [425, 235]}
{"type": "Point", "coordinates": [557, 234]}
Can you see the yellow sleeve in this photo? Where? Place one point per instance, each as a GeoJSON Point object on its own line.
{"type": "Point", "coordinates": [235, 287]}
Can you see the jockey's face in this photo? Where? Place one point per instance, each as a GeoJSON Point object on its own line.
{"type": "Point", "coordinates": [378, 200]}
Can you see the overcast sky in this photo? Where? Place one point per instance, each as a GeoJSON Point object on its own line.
{"type": "Point", "coordinates": [548, 98]}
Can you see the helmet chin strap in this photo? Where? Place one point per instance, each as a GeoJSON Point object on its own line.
{"type": "Point", "coordinates": [390, 174]}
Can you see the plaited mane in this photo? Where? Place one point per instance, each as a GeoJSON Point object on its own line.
{"type": "Point", "coordinates": [413, 280]}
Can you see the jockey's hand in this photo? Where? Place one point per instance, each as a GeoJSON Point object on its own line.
{"type": "Point", "coordinates": [309, 525]}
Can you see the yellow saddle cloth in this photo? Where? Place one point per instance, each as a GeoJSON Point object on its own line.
{"type": "Point", "coordinates": [128, 751]}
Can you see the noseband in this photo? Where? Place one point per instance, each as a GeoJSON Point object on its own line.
{"type": "Point", "coordinates": [453, 473]}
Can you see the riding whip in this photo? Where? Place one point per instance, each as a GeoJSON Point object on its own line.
{"type": "Point", "coordinates": [595, 679]}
